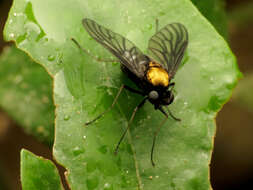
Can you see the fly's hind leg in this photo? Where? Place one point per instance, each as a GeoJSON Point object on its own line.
{"type": "Point", "coordinates": [92, 56]}
{"type": "Point", "coordinates": [108, 109]}
{"type": "Point", "coordinates": [158, 129]}
{"type": "Point", "coordinates": [114, 102]}
{"type": "Point", "coordinates": [129, 123]}
{"type": "Point", "coordinates": [171, 115]}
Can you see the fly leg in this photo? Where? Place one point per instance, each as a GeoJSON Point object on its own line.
{"type": "Point", "coordinates": [172, 97]}
{"type": "Point", "coordinates": [171, 115]}
{"type": "Point", "coordinates": [114, 102]}
{"type": "Point", "coordinates": [108, 109]}
{"type": "Point", "coordinates": [155, 135]}
{"type": "Point", "coordinates": [92, 56]}
{"type": "Point", "coordinates": [172, 86]}
{"type": "Point", "coordinates": [130, 121]}
{"type": "Point", "coordinates": [157, 131]}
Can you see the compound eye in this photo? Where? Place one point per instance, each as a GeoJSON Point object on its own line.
{"type": "Point", "coordinates": [153, 95]}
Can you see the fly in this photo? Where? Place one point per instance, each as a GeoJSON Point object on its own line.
{"type": "Point", "coordinates": [152, 74]}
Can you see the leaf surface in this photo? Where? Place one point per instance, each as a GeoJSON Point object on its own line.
{"type": "Point", "coordinates": [38, 173]}
{"type": "Point", "coordinates": [83, 88]}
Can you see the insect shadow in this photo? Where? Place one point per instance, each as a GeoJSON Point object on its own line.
{"type": "Point", "coordinates": [151, 74]}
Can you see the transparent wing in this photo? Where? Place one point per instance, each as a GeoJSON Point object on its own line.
{"type": "Point", "coordinates": [168, 45]}
{"type": "Point", "coordinates": [128, 54]}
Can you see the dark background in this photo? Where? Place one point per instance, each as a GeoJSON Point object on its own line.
{"type": "Point", "coordinates": [232, 160]}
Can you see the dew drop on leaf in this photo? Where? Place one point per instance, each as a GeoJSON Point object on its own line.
{"type": "Point", "coordinates": [107, 186]}
{"type": "Point", "coordinates": [12, 35]}
{"type": "Point", "coordinates": [77, 150]}
{"type": "Point", "coordinates": [149, 26]}
{"type": "Point", "coordinates": [67, 117]}
{"type": "Point", "coordinates": [92, 183]}
{"type": "Point", "coordinates": [103, 149]}
{"type": "Point", "coordinates": [51, 57]}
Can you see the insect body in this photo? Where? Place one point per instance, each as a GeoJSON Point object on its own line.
{"type": "Point", "coordinates": [152, 74]}
{"type": "Point", "coordinates": [156, 75]}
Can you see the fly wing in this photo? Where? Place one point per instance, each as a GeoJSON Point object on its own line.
{"type": "Point", "coordinates": [168, 45]}
{"type": "Point", "coordinates": [128, 54]}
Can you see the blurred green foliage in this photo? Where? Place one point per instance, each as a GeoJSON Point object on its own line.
{"type": "Point", "coordinates": [26, 94]}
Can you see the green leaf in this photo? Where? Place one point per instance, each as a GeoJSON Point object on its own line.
{"type": "Point", "coordinates": [83, 88]}
{"type": "Point", "coordinates": [38, 173]}
{"type": "Point", "coordinates": [214, 11]}
{"type": "Point", "coordinates": [26, 94]}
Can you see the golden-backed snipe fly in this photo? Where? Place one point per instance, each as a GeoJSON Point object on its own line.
{"type": "Point", "coordinates": [152, 74]}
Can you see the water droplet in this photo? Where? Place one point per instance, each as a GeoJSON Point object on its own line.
{"type": "Point", "coordinates": [149, 26]}
{"type": "Point", "coordinates": [77, 150]}
{"type": "Point", "coordinates": [156, 176]}
{"type": "Point", "coordinates": [34, 31]}
{"type": "Point", "coordinates": [107, 186]}
{"type": "Point", "coordinates": [15, 14]}
{"type": "Point", "coordinates": [109, 92]}
{"type": "Point", "coordinates": [127, 171]}
{"type": "Point", "coordinates": [50, 57]}
{"type": "Point", "coordinates": [114, 63]}
{"type": "Point", "coordinates": [12, 35]}
{"type": "Point", "coordinates": [92, 183]}
{"type": "Point", "coordinates": [67, 117]}
{"type": "Point", "coordinates": [84, 137]}
{"type": "Point", "coordinates": [103, 149]}
{"type": "Point", "coordinates": [91, 166]}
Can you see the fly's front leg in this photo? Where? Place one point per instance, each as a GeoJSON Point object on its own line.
{"type": "Point", "coordinates": [130, 121]}
{"type": "Point", "coordinates": [172, 86]}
